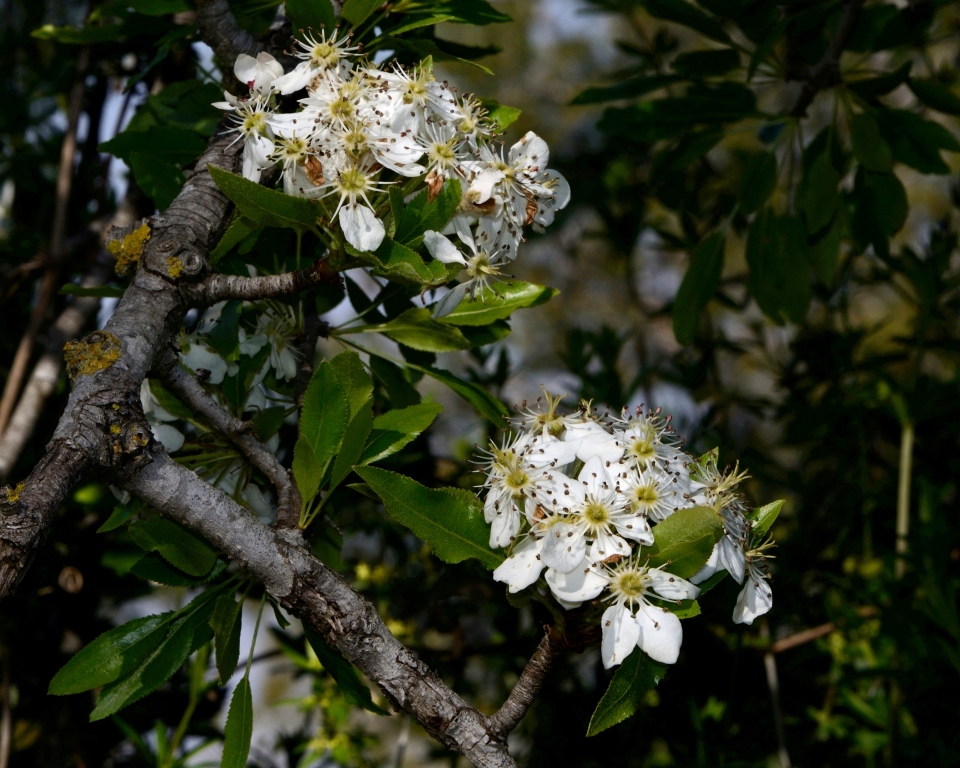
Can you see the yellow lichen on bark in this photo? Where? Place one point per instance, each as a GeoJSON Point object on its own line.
{"type": "Point", "coordinates": [90, 354]}
{"type": "Point", "coordinates": [127, 251]}
{"type": "Point", "coordinates": [174, 266]}
{"type": "Point", "coordinates": [13, 494]}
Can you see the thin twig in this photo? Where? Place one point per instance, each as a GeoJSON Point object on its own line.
{"type": "Point", "coordinates": [226, 287]}
{"type": "Point", "coordinates": [528, 686]}
{"type": "Point", "coordinates": [773, 683]}
{"type": "Point", "coordinates": [237, 432]}
{"type": "Point", "coordinates": [903, 498]}
{"type": "Point", "coordinates": [826, 72]}
{"type": "Point", "coordinates": [814, 633]}
{"type": "Point", "coordinates": [58, 236]}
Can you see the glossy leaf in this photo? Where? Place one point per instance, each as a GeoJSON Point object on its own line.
{"type": "Point", "coordinates": [501, 115]}
{"type": "Point", "coordinates": [395, 429]}
{"type": "Point", "coordinates": [112, 654]}
{"type": "Point", "coordinates": [239, 230]}
{"type": "Point", "coordinates": [419, 214]}
{"type": "Point", "coordinates": [765, 516]}
{"type": "Point", "coordinates": [868, 145]}
{"type": "Point", "coordinates": [631, 88]}
{"type": "Point", "coordinates": [353, 445]}
{"type": "Point", "coordinates": [153, 567]}
{"type": "Point", "coordinates": [226, 622]}
{"type": "Point", "coordinates": [307, 471]}
{"type": "Point", "coordinates": [160, 179]}
{"type": "Point", "coordinates": [499, 305]}
{"type": "Point", "coordinates": [357, 11]}
{"type": "Point", "coordinates": [758, 181]}
{"type": "Point", "coordinates": [269, 207]}
{"type": "Point", "coordinates": [238, 730]}
{"type": "Point", "coordinates": [637, 676]}
{"type": "Point", "coordinates": [819, 198]}
{"type": "Point", "coordinates": [166, 142]}
{"type": "Point", "coordinates": [448, 519]}
{"type": "Point", "coordinates": [353, 379]}
{"type": "Point", "coordinates": [401, 264]}
{"type": "Point", "coordinates": [687, 14]}
{"type": "Point", "coordinates": [175, 544]}
{"type": "Point", "coordinates": [416, 329]}
{"type": "Point", "coordinates": [354, 691]}
{"type": "Point", "coordinates": [873, 87]}
{"type": "Point", "coordinates": [400, 391]}
{"type": "Point", "coordinates": [477, 396]}
{"type": "Point", "coordinates": [685, 540]}
{"type": "Point", "coordinates": [310, 14]}
{"type": "Point", "coordinates": [936, 95]}
{"type": "Point", "coordinates": [779, 263]}
{"type": "Point", "coordinates": [325, 413]}
{"type": "Point", "coordinates": [699, 285]}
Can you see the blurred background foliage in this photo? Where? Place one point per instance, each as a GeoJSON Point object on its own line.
{"type": "Point", "coordinates": [763, 241]}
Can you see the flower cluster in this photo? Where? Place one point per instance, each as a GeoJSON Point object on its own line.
{"type": "Point", "coordinates": [358, 122]}
{"type": "Point", "coordinates": [576, 498]}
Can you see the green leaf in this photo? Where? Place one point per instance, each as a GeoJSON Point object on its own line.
{"type": "Point", "coordinates": [325, 414]}
{"type": "Point", "coordinates": [630, 88]}
{"type": "Point", "coordinates": [120, 516]}
{"type": "Point", "coordinates": [175, 544]}
{"type": "Point", "coordinates": [159, 7]}
{"type": "Point", "coordinates": [310, 14]}
{"type": "Point", "coordinates": [444, 50]}
{"type": "Point", "coordinates": [687, 14]}
{"type": "Point", "coordinates": [400, 391]}
{"type": "Point", "coordinates": [395, 429]}
{"type": "Point", "coordinates": [357, 11]}
{"type": "Point", "coordinates": [419, 215]}
{"type": "Point", "coordinates": [160, 179]}
{"type": "Point", "coordinates": [683, 609]}
{"type": "Point", "coordinates": [685, 540]}
{"type": "Point", "coordinates": [354, 691]}
{"type": "Point", "coordinates": [706, 586]}
{"type": "Point", "coordinates": [450, 520]}
{"type": "Point", "coordinates": [477, 396]}
{"type": "Point", "coordinates": [825, 253]}
{"type": "Point", "coordinates": [765, 46]}
{"type": "Point", "coordinates": [268, 207]}
{"type": "Point", "coordinates": [165, 142]}
{"type": "Point", "coordinates": [868, 145]}
{"type": "Point", "coordinates": [400, 264]}
{"type": "Point", "coordinates": [307, 471]}
{"type": "Point", "coordinates": [936, 96]}
{"type": "Point", "coordinates": [153, 567]}
{"type": "Point", "coordinates": [779, 263]}
{"type": "Point", "coordinates": [880, 208]}
{"type": "Point", "coordinates": [819, 199]}
{"type": "Point", "coordinates": [416, 329]}
{"type": "Point", "coordinates": [501, 115]}
{"type": "Point", "coordinates": [758, 181]}
{"type": "Point", "coordinates": [353, 444]}
{"type": "Point", "coordinates": [699, 64]}
{"type": "Point", "coordinates": [99, 291]}
{"type": "Point", "coordinates": [490, 306]}
{"type": "Point", "coordinates": [916, 142]}
{"type": "Point", "coordinates": [239, 230]}
{"type": "Point", "coordinates": [637, 676]}
{"type": "Point", "coordinates": [226, 621]}
{"type": "Point", "coordinates": [873, 87]}
{"type": "Point", "coordinates": [699, 285]}
{"type": "Point", "coordinates": [764, 517]}
{"type": "Point", "coordinates": [353, 379]}
{"type": "Point", "coordinates": [112, 654]}
{"type": "Point", "coordinates": [238, 730]}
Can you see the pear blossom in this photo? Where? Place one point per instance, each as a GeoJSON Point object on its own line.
{"type": "Point", "coordinates": [319, 56]}
{"type": "Point", "coordinates": [632, 621]}
{"type": "Point", "coordinates": [482, 269]}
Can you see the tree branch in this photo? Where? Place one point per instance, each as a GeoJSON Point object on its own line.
{"type": "Point", "coordinates": [323, 601]}
{"type": "Point", "coordinates": [219, 30]}
{"type": "Point", "coordinates": [225, 287]}
{"type": "Point", "coordinates": [528, 686]}
{"type": "Point", "coordinates": [826, 72]}
{"type": "Point", "coordinates": [188, 389]}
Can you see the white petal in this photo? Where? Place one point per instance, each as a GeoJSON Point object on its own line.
{"type": "Point", "coordinates": [361, 228]}
{"type": "Point", "coordinates": [450, 301]}
{"type": "Point", "coordinates": [563, 547]}
{"type": "Point", "coordinates": [199, 356]}
{"type": "Point", "coordinates": [523, 567]}
{"type": "Point", "coordinates": [171, 438]}
{"type": "Point", "coordinates": [605, 545]}
{"type": "Point", "coordinates": [504, 527]}
{"type": "Point", "coordinates": [580, 584]}
{"type": "Point", "coordinates": [732, 558]}
{"type": "Point", "coordinates": [245, 68]}
{"type": "Point", "coordinates": [481, 189]}
{"type": "Point", "coordinates": [660, 634]}
{"type": "Point", "coordinates": [635, 528]}
{"type": "Point", "coordinates": [593, 440]}
{"type": "Point", "coordinates": [672, 587]}
{"type": "Point", "coordinates": [547, 449]}
{"type": "Point", "coordinates": [621, 633]}
{"type": "Point", "coordinates": [442, 249]}
{"type": "Point", "coordinates": [711, 567]}
{"type": "Point", "coordinates": [295, 79]}
{"type": "Point", "coordinates": [532, 150]}
{"type": "Point", "coordinates": [755, 599]}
